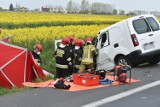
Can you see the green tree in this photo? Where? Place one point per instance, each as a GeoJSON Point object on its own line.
{"type": "Point", "coordinates": [121, 12]}
{"type": "Point", "coordinates": [11, 7]}
{"type": "Point", "coordinates": [114, 11]}
{"type": "Point", "coordinates": [1, 9]}
{"type": "Point", "coordinates": [85, 6]}
{"type": "Point", "coordinates": [131, 13]}
{"type": "Point", "coordinates": [69, 7]}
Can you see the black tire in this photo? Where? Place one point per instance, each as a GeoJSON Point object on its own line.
{"type": "Point", "coordinates": [123, 60]}
{"type": "Point", "coordinates": [153, 62]}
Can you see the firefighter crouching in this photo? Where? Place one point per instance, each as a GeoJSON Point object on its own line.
{"type": "Point", "coordinates": [87, 58]}
{"type": "Point", "coordinates": [63, 59]}
{"type": "Point", "coordinates": [78, 51]}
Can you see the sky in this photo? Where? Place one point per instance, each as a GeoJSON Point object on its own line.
{"type": "Point", "coordinates": [127, 5]}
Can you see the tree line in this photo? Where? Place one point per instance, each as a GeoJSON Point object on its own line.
{"type": "Point", "coordinates": [85, 8]}
{"type": "Point", "coordinates": [94, 8]}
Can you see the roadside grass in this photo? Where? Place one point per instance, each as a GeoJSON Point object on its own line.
{"type": "Point", "coordinates": [48, 61]}
{"type": "Point", "coordinates": [6, 91]}
{"type": "Point", "coordinates": [143, 64]}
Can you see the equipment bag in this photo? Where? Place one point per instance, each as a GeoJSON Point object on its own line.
{"type": "Point", "coordinates": [101, 73]}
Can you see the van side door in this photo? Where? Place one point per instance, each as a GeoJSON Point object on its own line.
{"type": "Point", "coordinates": [103, 46]}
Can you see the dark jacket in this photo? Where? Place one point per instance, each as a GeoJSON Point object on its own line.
{"type": "Point", "coordinates": [63, 58]}
{"type": "Point", "coordinates": [37, 58]}
{"type": "Point", "coordinates": [78, 56]}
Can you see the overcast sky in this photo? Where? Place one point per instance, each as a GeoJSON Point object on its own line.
{"type": "Point", "coordinates": [127, 5]}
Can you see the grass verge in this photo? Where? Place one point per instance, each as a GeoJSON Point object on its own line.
{"type": "Point", "coordinates": [6, 91]}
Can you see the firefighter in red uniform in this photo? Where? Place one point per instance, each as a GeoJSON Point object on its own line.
{"type": "Point", "coordinates": [36, 54]}
{"type": "Point", "coordinates": [71, 49]}
{"type": "Point", "coordinates": [78, 51]}
{"type": "Point", "coordinates": [63, 59]}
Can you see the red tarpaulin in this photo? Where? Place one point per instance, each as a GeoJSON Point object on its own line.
{"type": "Point", "coordinates": [17, 66]}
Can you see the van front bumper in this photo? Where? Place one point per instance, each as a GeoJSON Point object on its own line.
{"type": "Point", "coordinates": [137, 56]}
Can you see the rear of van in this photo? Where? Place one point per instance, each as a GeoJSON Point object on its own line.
{"type": "Point", "coordinates": [145, 35]}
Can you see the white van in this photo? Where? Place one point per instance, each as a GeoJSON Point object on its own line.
{"type": "Point", "coordinates": [132, 41]}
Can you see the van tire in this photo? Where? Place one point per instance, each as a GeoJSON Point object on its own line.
{"type": "Point", "coordinates": [152, 62]}
{"type": "Point", "coordinates": [123, 60]}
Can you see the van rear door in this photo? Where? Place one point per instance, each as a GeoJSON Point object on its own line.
{"type": "Point", "coordinates": [145, 33]}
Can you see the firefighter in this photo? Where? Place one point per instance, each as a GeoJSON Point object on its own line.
{"type": "Point", "coordinates": [89, 51]}
{"type": "Point", "coordinates": [63, 59]}
{"type": "Point", "coordinates": [36, 54]}
{"type": "Point", "coordinates": [94, 42]}
{"type": "Point", "coordinates": [71, 49]}
{"type": "Point", "coordinates": [78, 51]}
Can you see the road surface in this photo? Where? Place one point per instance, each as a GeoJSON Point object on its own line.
{"type": "Point", "coordinates": [49, 97]}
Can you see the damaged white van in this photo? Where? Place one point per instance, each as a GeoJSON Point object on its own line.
{"type": "Point", "coordinates": [132, 41]}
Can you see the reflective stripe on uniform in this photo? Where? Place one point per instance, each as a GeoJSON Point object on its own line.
{"type": "Point", "coordinates": [76, 66]}
{"type": "Point", "coordinates": [92, 49]}
{"type": "Point", "coordinates": [69, 59]}
{"type": "Point", "coordinates": [87, 61]}
{"type": "Point", "coordinates": [61, 66]}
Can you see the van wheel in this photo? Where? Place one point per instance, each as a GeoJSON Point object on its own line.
{"type": "Point", "coordinates": [123, 60]}
{"type": "Point", "coordinates": [153, 62]}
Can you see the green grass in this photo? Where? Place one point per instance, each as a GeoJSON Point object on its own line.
{"type": "Point", "coordinates": [143, 64]}
{"type": "Point", "coordinates": [48, 61]}
{"type": "Point", "coordinates": [6, 91]}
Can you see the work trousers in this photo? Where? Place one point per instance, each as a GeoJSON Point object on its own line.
{"type": "Point", "coordinates": [84, 67]}
{"type": "Point", "coordinates": [62, 72]}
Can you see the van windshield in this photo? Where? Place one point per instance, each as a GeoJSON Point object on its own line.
{"type": "Point", "coordinates": [141, 26]}
{"type": "Point", "coordinates": [154, 25]}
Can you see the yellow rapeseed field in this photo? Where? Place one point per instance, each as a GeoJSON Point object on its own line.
{"type": "Point", "coordinates": [27, 37]}
{"type": "Point", "coordinates": [34, 18]}
{"type": "Point", "coordinates": [30, 28]}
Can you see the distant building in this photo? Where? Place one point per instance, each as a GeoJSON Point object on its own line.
{"type": "Point", "coordinates": [57, 9]}
{"type": "Point", "coordinates": [45, 9]}
{"type": "Point", "coordinates": [155, 13]}
{"type": "Point", "coordinates": [24, 9]}
{"type": "Point", "coordinates": [21, 8]}
{"type": "Point", "coordinates": [73, 10]}
{"type": "Point", "coordinates": [53, 9]}
{"type": "Point", "coordinates": [140, 12]}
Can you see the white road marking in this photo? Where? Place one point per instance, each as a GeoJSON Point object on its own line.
{"type": "Point", "coordinates": [121, 95]}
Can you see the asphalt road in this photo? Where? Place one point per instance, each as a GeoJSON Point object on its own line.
{"type": "Point", "coordinates": [49, 97]}
{"type": "Point", "coordinates": [147, 98]}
